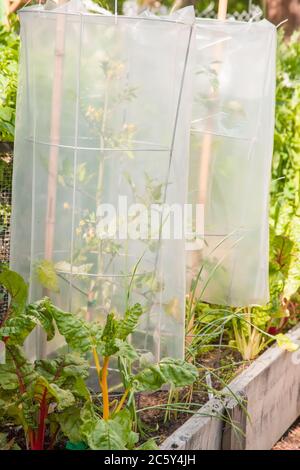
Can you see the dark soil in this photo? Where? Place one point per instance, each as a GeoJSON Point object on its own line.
{"type": "Point", "coordinates": [222, 362]}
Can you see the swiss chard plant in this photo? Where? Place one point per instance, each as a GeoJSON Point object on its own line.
{"type": "Point", "coordinates": [49, 396]}
{"type": "Point", "coordinates": [112, 426]}
{"type": "Point", "coordinates": [33, 393]}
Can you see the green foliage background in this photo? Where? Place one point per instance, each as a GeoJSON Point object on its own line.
{"type": "Point", "coordinates": [285, 187]}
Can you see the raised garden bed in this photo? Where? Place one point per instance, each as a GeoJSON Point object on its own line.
{"type": "Point", "coordinates": [270, 388]}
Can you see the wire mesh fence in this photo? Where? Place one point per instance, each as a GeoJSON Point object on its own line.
{"type": "Point", "coordinates": [253, 13]}
{"type": "Point", "coordinates": [6, 157]}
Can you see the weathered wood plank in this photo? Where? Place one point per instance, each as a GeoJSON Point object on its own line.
{"type": "Point", "coordinates": [203, 431]}
{"type": "Point", "coordinates": [234, 431]}
{"type": "Point", "coordinates": [272, 387]}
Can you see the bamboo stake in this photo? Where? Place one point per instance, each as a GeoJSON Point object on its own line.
{"type": "Point", "coordinates": [54, 134]}
{"type": "Point", "coordinates": [207, 139]}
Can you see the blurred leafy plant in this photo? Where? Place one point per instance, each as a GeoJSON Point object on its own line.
{"type": "Point", "coordinates": [285, 189]}
{"type": "Point", "coordinates": [9, 54]}
{"type": "Point", "coordinates": [51, 394]}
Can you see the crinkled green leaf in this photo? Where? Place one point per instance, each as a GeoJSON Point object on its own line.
{"type": "Point", "coordinates": [169, 371]}
{"type": "Point", "coordinates": [148, 445]}
{"type": "Point", "coordinates": [67, 371]}
{"type": "Point", "coordinates": [129, 323]}
{"type": "Point", "coordinates": [76, 331]}
{"type": "Point", "coordinates": [16, 371]}
{"type": "Point", "coordinates": [113, 434]}
{"type": "Point", "coordinates": [106, 436]}
{"type": "Point", "coordinates": [17, 328]}
{"type": "Point", "coordinates": [54, 394]}
{"type": "Point", "coordinates": [126, 351]}
{"type": "Point", "coordinates": [70, 423]}
{"type": "Point", "coordinates": [79, 445]}
{"type": "Point", "coordinates": [109, 347]}
{"type": "Point", "coordinates": [124, 420]}
{"type": "Point", "coordinates": [41, 310]}
{"type": "Point", "coordinates": [63, 367]}
{"type": "Point", "coordinates": [6, 443]}
{"type": "Point", "coordinates": [88, 419]}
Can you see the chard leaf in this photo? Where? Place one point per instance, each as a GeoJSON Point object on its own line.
{"type": "Point", "coordinates": [169, 371]}
{"type": "Point", "coordinates": [41, 310]}
{"type": "Point", "coordinates": [148, 445]}
{"type": "Point", "coordinates": [113, 434]}
{"type": "Point", "coordinates": [108, 338]}
{"type": "Point", "coordinates": [126, 351]}
{"type": "Point", "coordinates": [17, 328]}
{"type": "Point", "coordinates": [70, 423]}
{"type": "Point", "coordinates": [106, 435]}
{"type": "Point", "coordinates": [7, 444]}
{"type": "Point", "coordinates": [62, 368]}
{"type": "Point", "coordinates": [88, 419]}
{"type": "Point", "coordinates": [17, 372]}
{"type": "Point", "coordinates": [54, 394]}
{"type": "Point", "coordinates": [77, 332]}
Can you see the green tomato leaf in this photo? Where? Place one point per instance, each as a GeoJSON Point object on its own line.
{"type": "Point", "coordinates": [47, 276]}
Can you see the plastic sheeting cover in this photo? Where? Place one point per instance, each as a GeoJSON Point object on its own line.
{"type": "Point", "coordinates": [103, 112]}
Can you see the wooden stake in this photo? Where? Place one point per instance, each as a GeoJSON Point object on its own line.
{"type": "Point", "coordinates": [54, 134]}
{"type": "Point", "coordinates": [207, 139]}
{"type": "Point", "coordinates": [222, 10]}
{"type": "Point", "coordinates": [205, 159]}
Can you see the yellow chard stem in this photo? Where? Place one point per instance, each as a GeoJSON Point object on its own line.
{"type": "Point", "coordinates": [104, 388]}
{"type": "Point", "coordinates": [121, 403]}
{"type": "Point", "coordinates": [97, 365]}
